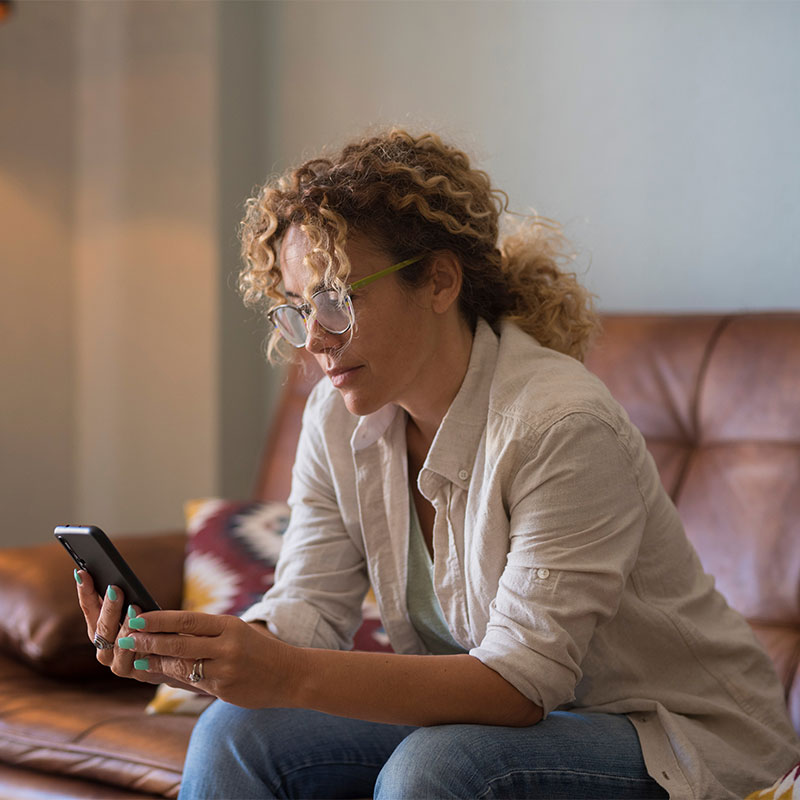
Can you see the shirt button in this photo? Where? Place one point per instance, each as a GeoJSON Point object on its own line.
{"type": "Point", "coordinates": [463, 474]}
{"type": "Point", "coordinates": [543, 573]}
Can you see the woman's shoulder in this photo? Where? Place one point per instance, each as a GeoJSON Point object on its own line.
{"type": "Point", "coordinates": [538, 386]}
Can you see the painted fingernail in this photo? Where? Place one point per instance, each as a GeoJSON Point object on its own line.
{"type": "Point", "coordinates": [78, 578]}
{"type": "Point", "coordinates": [137, 623]}
{"type": "Point", "coordinates": [131, 612]}
{"type": "Point", "coordinates": [141, 663]}
{"type": "Point", "coordinates": [112, 595]}
{"type": "Point", "coordinates": [126, 643]}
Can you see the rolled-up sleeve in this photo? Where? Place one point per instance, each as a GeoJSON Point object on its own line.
{"type": "Point", "coordinates": [576, 522]}
{"type": "Point", "coordinates": [321, 577]}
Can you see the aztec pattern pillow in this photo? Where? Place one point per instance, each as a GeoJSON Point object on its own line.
{"type": "Point", "coordinates": [785, 788]}
{"type": "Point", "coordinates": [230, 562]}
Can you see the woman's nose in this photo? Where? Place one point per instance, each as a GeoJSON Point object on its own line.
{"type": "Point", "coordinates": [318, 339]}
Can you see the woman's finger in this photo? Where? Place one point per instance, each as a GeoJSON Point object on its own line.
{"type": "Point", "coordinates": [88, 600]}
{"type": "Point", "coordinates": [192, 623]}
{"type": "Point", "coordinates": [125, 656]}
{"type": "Point", "coordinates": [173, 672]}
{"type": "Point", "coordinates": [108, 625]}
{"type": "Point", "coordinates": [171, 645]}
{"type": "Point", "coordinates": [185, 674]}
{"type": "Point", "coordinates": [148, 669]}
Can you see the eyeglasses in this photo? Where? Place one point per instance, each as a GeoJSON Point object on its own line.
{"type": "Point", "coordinates": [332, 311]}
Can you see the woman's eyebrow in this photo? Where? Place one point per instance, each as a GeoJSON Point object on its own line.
{"type": "Point", "coordinates": [295, 295]}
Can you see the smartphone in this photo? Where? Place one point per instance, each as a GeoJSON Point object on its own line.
{"type": "Point", "coordinates": [93, 551]}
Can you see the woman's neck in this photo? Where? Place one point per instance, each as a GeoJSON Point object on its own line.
{"type": "Point", "coordinates": [444, 380]}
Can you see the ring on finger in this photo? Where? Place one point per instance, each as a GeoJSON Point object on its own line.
{"type": "Point", "coordinates": [102, 644]}
{"type": "Point", "coordinates": [197, 671]}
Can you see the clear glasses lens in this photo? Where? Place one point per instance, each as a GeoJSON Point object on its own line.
{"type": "Point", "coordinates": [332, 314]}
{"type": "Point", "coordinates": [291, 324]}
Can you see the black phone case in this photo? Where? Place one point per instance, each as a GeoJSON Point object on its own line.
{"type": "Point", "coordinates": [93, 551]}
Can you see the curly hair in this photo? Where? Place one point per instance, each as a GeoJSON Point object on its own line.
{"type": "Point", "coordinates": [412, 195]}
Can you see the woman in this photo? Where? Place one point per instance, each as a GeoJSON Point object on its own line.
{"type": "Point", "coordinates": [555, 633]}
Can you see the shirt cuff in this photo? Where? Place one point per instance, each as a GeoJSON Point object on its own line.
{"type": "Point", "coordinates": [292, 622]}
{"type": "Point", "coordinates": [554, 684]}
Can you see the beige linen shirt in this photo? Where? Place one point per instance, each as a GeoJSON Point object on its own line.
{"type": "Point", "coordinates": [559, 562]}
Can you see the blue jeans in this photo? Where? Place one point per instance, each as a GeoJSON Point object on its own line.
{"type": "Point", "coordinates": [240, 753]}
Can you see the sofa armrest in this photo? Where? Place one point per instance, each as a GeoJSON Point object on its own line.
{"type": "Point", "coordinates": [40, 620]}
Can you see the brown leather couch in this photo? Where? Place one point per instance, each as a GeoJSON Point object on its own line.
{"type": "Point", "coordinates": [718, 399]}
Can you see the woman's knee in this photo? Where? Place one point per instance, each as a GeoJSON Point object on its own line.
{"type": "Point", "coordinates": [218, 729]}
{"type": "Point", "coordinates": [431, 762]}
{"type": "Point", "coordinates": [239, 752]}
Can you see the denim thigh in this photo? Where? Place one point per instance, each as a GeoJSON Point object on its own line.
{"type": "Point", "coordinates": [567, 756]}
{"type": "Point", "coordinates": [263, 753]}
{"type": "Point", "coordinates": [295, 753]}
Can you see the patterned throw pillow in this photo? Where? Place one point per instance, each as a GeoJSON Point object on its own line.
{"type": "Point", "coordinates": [785, 788]}
{"type": "Point", "coordinates": [230, 562]}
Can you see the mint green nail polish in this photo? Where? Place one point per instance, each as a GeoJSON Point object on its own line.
{"type": "Point", "coordinates": [141, 663]}
{"type": "Point", "coordinates": [112, 595]}
{"type": "Point", "coordinates": [137, 623]}
{"type": "Point", "coordinates": [126, 643]}
{"type": "Point", "coordinates": [78, 578]}
{"type": "Point", "coordinates": [131, 612]}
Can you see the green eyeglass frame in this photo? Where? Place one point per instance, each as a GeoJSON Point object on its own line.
{"type": "Point", "coordinates": [291, 321]}
{"type": "Point", "coordinates": [362, 282]}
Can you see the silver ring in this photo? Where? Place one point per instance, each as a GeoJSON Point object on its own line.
{"type": "Point", "coordinates": [102, 644]}
{"type": "Point", "coordinates": [197, 671]}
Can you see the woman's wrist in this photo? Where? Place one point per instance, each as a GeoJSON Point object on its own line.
{"type": "Point", "coordinates": [286, 663]}
{"type": "Point", "coordinates": [294, 666]}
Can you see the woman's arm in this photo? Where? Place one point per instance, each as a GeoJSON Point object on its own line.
{"type": "Point", "coordinates": [321, 576]}
{"type": "Point", "coordinates": [246, 665]}
{"type": "Point", "coordinates": [412, 690]}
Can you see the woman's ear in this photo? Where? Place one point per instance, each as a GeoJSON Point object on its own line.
{"type": "Point", "coordinates": [445, 281]}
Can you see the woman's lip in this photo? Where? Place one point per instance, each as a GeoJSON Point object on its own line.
{"type": "Point", "coordinates": [341, 375]}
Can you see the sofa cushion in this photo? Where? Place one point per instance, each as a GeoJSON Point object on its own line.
{"type": "Point", "coordinates": [96, 732]}
{"type": "Point", "coordinates": [18, 783]}
{"type": "Point", "coordinates": [40, 620]}
{"type": "Point", "coordinates": [787, 787]}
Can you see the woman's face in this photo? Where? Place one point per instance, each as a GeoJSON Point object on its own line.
{"type": "Point", "coordinates": [391, 355]}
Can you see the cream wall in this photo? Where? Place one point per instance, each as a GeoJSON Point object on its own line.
{"type": "Point", "coordinates": [145, 260]}
{"type": "Point", "coordinates": [662, 134]}
{"type": "Point", "coordinates": [117, 251]}
{"type": "Point", "coordinates": [37, 336]}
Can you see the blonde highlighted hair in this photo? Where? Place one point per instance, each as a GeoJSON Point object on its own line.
{"type": "Point", "coordinates": [415, 195]}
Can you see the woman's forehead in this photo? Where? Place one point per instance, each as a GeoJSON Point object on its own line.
{"type": "Point", "coordinates": [362, 253]}
{"type": "Point", "coordinates": [294, 248]}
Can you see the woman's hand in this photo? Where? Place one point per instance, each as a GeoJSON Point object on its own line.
{"type": "Point", "coordinates": [240, 663]}
{"type": "Point", "coordinates": [104, 628]}
{"type": "Point", "coordinates": [243, 664]}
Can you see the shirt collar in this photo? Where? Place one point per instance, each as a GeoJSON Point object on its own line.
{"type": "Point", "coordinates": [452, 454]}
{"type": "Point", "coordinates": [372, 426]}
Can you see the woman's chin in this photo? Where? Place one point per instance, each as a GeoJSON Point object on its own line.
{"type": "Point", "coordinates": [358, 404]}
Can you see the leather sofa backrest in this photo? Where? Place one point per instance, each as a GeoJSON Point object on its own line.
{"type": "Point", "coordinates": [718, 401]}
